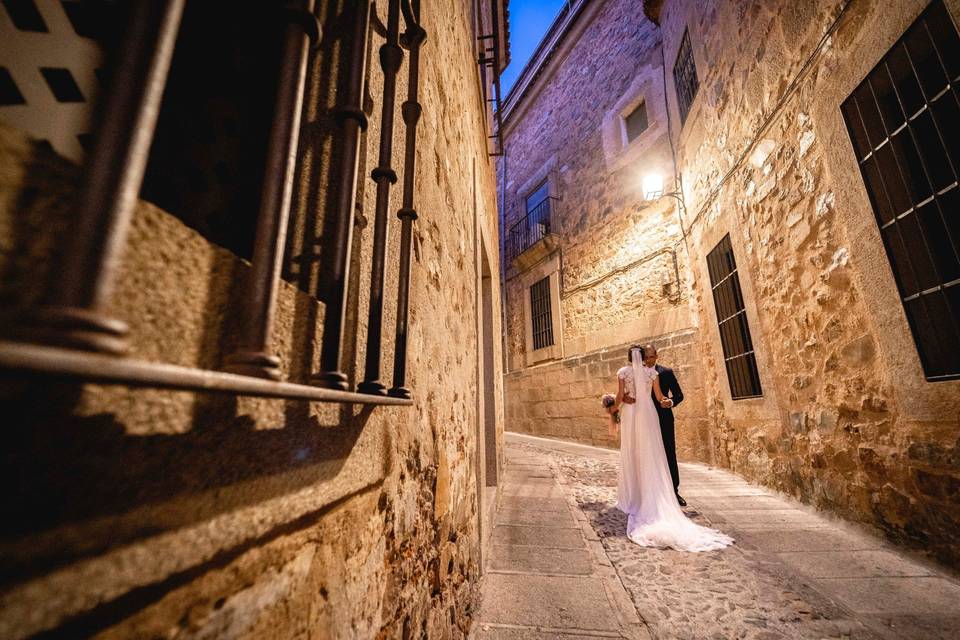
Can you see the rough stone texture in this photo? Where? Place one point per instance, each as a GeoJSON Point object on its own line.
{"type": "Point", "coordinates": [754, 590]}
{"type": "Point", "coordinates": [848, 422]}
{"type": "Point", "coordinates": [542, 585]}
{"type": "Point", "coordinates": [562, 399]}
{"type": "Point", "coordinates": [146, 513]}
{"type": "Point", "coordinates": [615, 246]}
{"type": "Point", "coordinates": [567, 129]}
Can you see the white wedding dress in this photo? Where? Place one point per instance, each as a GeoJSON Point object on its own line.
{"type": "Point", "coordinates": [645, 493]}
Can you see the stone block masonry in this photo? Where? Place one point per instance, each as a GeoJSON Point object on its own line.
{"type": "Point", "coordinates": [845, 417]}
{"type": "Point", "coordinates": [562, 399]}
{"type": "Point", "coordinates": [149, 513]}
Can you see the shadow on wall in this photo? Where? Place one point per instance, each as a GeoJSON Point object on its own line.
{"type": "Point", "coordinates": [77, 485]}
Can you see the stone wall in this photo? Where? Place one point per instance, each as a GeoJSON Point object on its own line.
{"type": "Point", "coordinates": [562, 399]}
{"type": "Point", "coordinates": [847, 421]}
{"type": "Point", "coordinates": [150, 513]}
{"type": "Point", "coordinates": [618, 255]}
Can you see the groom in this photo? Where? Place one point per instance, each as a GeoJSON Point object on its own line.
{"type": "Point", "coordinates": [671, 389]}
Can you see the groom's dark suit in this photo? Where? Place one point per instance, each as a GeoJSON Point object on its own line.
{"type": "Point", "coordinates": [671, 389]}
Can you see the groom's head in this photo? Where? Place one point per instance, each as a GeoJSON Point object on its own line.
{"type": "Point", "coordinates": [649, 355]}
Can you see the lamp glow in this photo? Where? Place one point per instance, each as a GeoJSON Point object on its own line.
{"type": "Point", "coordinates": [652, 186]}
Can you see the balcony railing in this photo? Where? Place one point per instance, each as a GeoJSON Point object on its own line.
{"type": "Point", "coordinates": [528, 231]}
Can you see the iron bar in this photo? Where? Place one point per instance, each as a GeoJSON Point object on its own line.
{"type": "Point", "coordinates": [413, 38]}
{"type": "Point", "coordinates": [253, 354]}
{"type": "Point", "coordinates": [18, 358]}
{"type": "Point", "coordinates": [530, 229]}
{"type": "Point", "coordinates": [77, 314]}
{"type": "Point", "coordinates": [498, 112]}
{"type": "Point", "coordinates": [391, 57]}
{"type": "Point", "coordinates": [352, 120]}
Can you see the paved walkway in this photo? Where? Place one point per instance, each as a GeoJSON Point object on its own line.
{"type": "Point", "coordinates": [561, 566]}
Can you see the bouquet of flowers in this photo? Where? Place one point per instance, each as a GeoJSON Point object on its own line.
{"type": "Point", "coordinates": [608, 401]}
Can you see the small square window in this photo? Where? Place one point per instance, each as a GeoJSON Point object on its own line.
{"type": "Point", "coordinates": [635, 122]}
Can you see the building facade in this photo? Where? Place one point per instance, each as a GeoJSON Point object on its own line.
{"type": "Point", "coordinates": [814, 205]}
{"type": "Point", "coordinates": [235, 244]}
{"type": "Point", "coordinates": [591, 265]}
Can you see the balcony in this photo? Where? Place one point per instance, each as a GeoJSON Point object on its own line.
{"type": "Point", "coordinates": [532, 239]}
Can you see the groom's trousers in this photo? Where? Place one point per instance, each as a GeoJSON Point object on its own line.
{"type": "Point", "coordinates": [669, 444]}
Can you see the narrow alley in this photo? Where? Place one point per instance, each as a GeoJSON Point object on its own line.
{"type": "Point", "coordinates": [562, 567]}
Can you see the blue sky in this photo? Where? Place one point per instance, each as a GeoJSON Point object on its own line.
{"type": "Point", "coordinates": [529, 20]}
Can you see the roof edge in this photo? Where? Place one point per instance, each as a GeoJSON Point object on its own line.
{"type": "Point", "coordinates": [542, 55]}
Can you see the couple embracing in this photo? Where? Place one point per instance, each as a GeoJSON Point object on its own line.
{"type": "Point", "coordinates": [649, 479]}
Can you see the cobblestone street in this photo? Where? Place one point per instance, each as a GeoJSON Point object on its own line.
{"type": "Point", "coordinates": [792, 573]}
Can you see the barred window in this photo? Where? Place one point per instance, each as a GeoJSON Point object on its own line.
{"type": "Point", "coordinates": [540, 314]}
{"type": "Point", "coordinates": [224, 117]}
{"type": "Point", "coordinates": [904, 123]}
{"type": "Point", "coordinates": [209, 154]}
{"type": "Point", "coordinates": [533, 226]}
{"type": "Point", "coordinates": [738, 354]}
{"type": "Point", "coordinates": [636, 122]}
{"type": "Point", "coordinates": [685, 77]}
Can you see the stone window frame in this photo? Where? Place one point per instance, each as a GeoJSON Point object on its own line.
{"type": "Point", "coordinates": [902, 263]}
{"type": "Point", "coordinates": [752, 386]}
{"type": "Point", "coordinates": [916, 396]}
{"type": "Point", "coordinates": [685, 40]}
{"type": "Point", "coordinates": [671, 52]}
{"type": "Point", "coordinates": [549, 268]}
{"type": "Point", "coordinates": [647, 88]}
{"type": "Point", "coordinates": [764, 407]}
{"type": "Point", "coordinates": [625, 115]}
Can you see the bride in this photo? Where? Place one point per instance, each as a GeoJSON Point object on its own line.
{"type": "Point", "coordinates": [646, 495]}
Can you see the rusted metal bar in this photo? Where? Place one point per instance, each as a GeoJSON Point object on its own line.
{"type": "Point", "coordinates": [254, 355]}
{"type": "Point", "coordinates": [498, 111]}
{"type": "Point", "coordinates": [391, 57]}
{"type": "Point", "coordinates": [77, 313]}
{"type": "Point", "coordinates": [413, 38]}
{"type": "Point", "coordinates": [352, 120]}
{"type": "Point", "coordinates": [18, 359]}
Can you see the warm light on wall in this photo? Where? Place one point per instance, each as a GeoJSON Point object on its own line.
{"type": "Point", "coordinates": [652, 186]}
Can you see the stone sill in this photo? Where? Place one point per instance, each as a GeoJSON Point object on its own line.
{"type": "Point", "coordinates": [536, 253]}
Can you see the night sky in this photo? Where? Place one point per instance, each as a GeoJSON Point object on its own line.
{"type": "Point", "coordinates": [529, 20]}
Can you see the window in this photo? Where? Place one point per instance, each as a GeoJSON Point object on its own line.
{"type": "Point", "coordinates": [538, 212]}
{"type": "Point", "coordinates": [217, 98]}
{"type": "Point", "coordinates": [904, 123]}
{"type": "Point", "coordinates": [209, 153]}
{"type": "Point", "coordinates": [540, 314]}
{"type": "Point", "coordinates": [685, 77]}
{"type": "Point", "coordinates": [732, 320]}
{"type": "Point", "coordinates": [635, 122]}
{"type": "Point", "coordinates": [537, 197]}
{"type": "Point", "coordinates": [534, 225]}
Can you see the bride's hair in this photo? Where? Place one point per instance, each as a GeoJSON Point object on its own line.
{"type": "Point", "coordinates": [632, 347]}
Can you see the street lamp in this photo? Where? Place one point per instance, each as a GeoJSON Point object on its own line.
{"type": "Point", "coordinates": [652, 186]}
{"type": "Point", "coordinates": [653, 189]}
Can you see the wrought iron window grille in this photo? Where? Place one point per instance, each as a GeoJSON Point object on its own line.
{"type": "Point", "coordinates": [903, 125]}
{"type": "Point", "coordinates": [738, 354]}
{"type": "Point", "coordinates": [532, 228]}
{"type": "Point", "coordinates": [685, 79]}
{"type": "Point", "coordinates": [77, 337]}
{"type": "Point", "coordinates": [541, 315]}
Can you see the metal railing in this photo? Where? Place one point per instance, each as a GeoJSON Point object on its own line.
{"type": "Point", "coordinates": [530, 230]}
{"type": "Point", "coordinates": [76, 335]}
